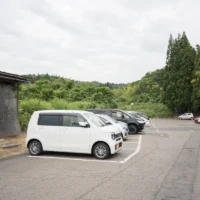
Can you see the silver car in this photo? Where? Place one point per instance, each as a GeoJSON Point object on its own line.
{"type": "Point", "coordinates": [121, 125]}
{"type": "Point", "coordinates": [186, 116]}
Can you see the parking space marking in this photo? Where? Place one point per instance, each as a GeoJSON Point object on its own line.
{"type": "Point", "coordinates": [157, 130]}
{"type": "Point", "coordinates": [76, 159]}
{"type": "Point", "coordinates": [134, 153]}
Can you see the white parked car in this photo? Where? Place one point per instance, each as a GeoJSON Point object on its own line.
{"type": "Point", "coordinates": [186, 116]}
{"type": "Point", "coordinates": [72, 131]}
{"type": "Point", "coordinates": [110, 121]}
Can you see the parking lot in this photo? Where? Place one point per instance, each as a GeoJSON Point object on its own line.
{"type": "Point", "coordinates": [161, 162]}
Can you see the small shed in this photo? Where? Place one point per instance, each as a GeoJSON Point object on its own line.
{"type": "Point", "coordinates": [9, 87]}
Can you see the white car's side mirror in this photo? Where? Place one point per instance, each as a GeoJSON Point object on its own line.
{"type": "Point", "coordinates": [83, 124]}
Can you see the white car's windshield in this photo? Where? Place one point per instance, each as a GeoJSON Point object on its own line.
{"type": "Point", "coordinates": [94, 119]}
{"type": "Point", "coordinates": [127, 115]}
{"type": "Point", "coordinates": [110, 119]}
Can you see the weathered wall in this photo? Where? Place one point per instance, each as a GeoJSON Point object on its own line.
{"type": "Point", "coordinates": [9, 124]}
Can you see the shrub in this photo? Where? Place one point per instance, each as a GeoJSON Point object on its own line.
{"type": "Point", "coordinates": [151, 109]}
{"type": "Point", "coordinates": [32, 105]}
{"type": "Point", "coordinates": [83, 105]}
{"type": "Point", "coordinates": [27, 107]}
{"type": "Point", "coordinates": [59, 104]}
{"type": "Point", "coordinates": [23, 120]}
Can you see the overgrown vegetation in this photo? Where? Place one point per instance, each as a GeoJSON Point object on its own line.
{"type": "Point", "coordinates": [171, 90]}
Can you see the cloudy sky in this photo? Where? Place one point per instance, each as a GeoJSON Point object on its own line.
{"type": "Point", "coordinates": [102, 40]}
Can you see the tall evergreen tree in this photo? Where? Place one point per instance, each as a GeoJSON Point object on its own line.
{"type": "Point", "coordinates": [177, 88]}
{"type": "Point", "coordinates": [196, 81]}
{"type": "Point", "coordinates": [169, 49]}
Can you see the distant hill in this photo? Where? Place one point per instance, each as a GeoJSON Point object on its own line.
{"type": "Point", "coordinates": [35, 77]}
{"type": "Point", "coordinates": [108, 84]}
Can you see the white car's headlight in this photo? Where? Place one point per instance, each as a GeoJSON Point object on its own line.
{"type": "Point", "coordinates": [113, 136]}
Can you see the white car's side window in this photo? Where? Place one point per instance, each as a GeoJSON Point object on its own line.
{"type": "Point", "coordinates": [49, 120]}
{"type": "Point", "coordinates": [72, 120]}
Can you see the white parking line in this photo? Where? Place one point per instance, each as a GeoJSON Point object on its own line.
{"type": "Point", "coordinates": [135, 152]}
{"type": "Point", "coordinates": [157, 130]}
{"type": "Point", "coordinates": [76, 159]}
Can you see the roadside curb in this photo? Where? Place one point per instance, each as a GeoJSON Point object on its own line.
{"type": "Point", "coordinates": [12, 157]}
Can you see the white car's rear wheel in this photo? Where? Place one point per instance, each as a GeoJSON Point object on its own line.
{"type": "Point", "coordinates": [35, 148]}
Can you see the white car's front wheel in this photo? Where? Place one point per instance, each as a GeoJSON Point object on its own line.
{"type": "Point", "coordinates": [101, 150]}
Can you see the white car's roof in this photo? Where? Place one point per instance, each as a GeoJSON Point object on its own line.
{"type": "Point", "coordinates": [102, 115]}
{"type": "Point", "coordinates": [62, 111]}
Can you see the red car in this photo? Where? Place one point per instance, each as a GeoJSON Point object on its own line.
{"type": "Point", "coordinates": [197, 120]}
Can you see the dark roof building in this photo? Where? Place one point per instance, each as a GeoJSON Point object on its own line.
{"type": "Point", "coordinates": [9, 85]}
{"type": "Point", "coordinates": [11, 78]}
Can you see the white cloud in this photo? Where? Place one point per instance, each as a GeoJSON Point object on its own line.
{"type": "Point", "coordinates": [115, 41]}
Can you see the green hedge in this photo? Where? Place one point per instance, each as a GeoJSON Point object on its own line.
{"type": "Point", "coordinates": [155, 110]}
{"type": "Point", "coordinates": [27, 107]}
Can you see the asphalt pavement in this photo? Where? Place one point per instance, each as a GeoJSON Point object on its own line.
{"type": "Point", "coordinates": [160, 163]}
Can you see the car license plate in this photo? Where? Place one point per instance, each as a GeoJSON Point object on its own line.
{"type": "Point", "coordinates": [117, 146]}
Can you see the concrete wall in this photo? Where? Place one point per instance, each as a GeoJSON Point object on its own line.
{"type": "Point", "coordinates": [9, 124]}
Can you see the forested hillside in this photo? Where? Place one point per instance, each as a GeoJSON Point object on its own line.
{"type": "Point", "coordinates": [170, 90]}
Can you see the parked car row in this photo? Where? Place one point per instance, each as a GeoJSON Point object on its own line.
{"type": "Point", "coordinates": [111, 121]}
{"type": "Point", "coordinates": [97, 131]}
{"type": "Point", "coordinates": [135, 124]}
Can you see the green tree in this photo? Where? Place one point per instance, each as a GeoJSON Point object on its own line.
{"type": "Point", "coordinates": [177, 88]}
{"type": "Point", "coordinates": [196, 81]}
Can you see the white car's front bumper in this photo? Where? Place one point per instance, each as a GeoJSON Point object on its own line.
{"type": "Point", "coordinates": [125, 134]}
{"type": "Point", "coordinates": [147, 123]}
{"type": "Point", "coordinates": [117, 146]}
